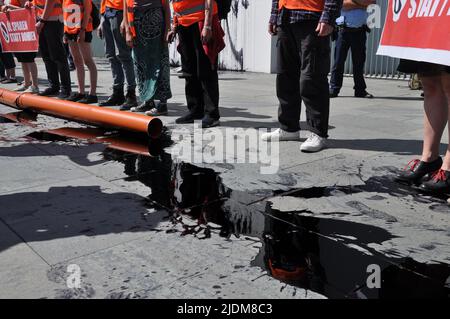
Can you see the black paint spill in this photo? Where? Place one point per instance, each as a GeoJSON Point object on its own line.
{"type": "Point", "coordinates": [44, 136]}
{"type": "Point", "coordinates": [328, 256]}
{"type": "Point", "coordinates": [6, 120]}
{"type": "Point", "coordinates": [24, 117]}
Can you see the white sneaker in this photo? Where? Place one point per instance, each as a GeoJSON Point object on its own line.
{"type": "Point", "coordinates": [32, 89]}
{"type": "Point", "coordinates": [22, 88]}
{"type": "Point", "coordinates": [281, 135]}
{"type": "Point", "coordinates": [313, 143]}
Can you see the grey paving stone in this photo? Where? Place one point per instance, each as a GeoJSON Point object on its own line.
{"type": "Point", "coordinates": [77, 217]}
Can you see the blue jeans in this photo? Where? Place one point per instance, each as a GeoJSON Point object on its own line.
{"type": "Point", "coordinates": [356, 41]}
{"type": "Point", "coordinates": [122, 63]}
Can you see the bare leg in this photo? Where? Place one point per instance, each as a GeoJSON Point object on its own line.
{"type": "Point", "coordinates": [436, 117]}
{"type": "Point", "coordinates": [11, 73]}
{"type": "Point", "coordinates": [446, 89]}
{"type": "Point", "coordinates": [79, 64]}
{"type": "Point", "coordinates": [86, 51]}
{"type": "Point", "coordinates": [32, 67]}
{"type": "Point", "coordinates": [26, 74]}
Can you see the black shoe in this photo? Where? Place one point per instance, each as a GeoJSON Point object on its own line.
{"type": "Point", "coordinates": [49, 92]}
{"type": "Point", "coordinates": [64, 95]}
{"type": "Point", "coordinates": [89, 99]}
{"type": "Point", "coordinates": [130, 101]}
{"type": "Point", "coordinates": [188, 118]}
{"type": "Point", "coordinates": [333, 94]}
{"type": "Point", "coordinates": [364, 94]}
{"type": "Point", "coordinates": [117, 98]}
{"type": "Point", "coordinates": [72, 67]}
{"type": "Point", "coordinates": [160, 110]}
{"type": "Point", "coordinates": [144, 107]}
{"type": "Point", "coordinates": [438, 184]}
{"type": "Point", "coordinates": [75, 97]}
{"type": "Point", "coordinates": [416, 170]}
{"type": "Point", "coordinates": [208, 121]}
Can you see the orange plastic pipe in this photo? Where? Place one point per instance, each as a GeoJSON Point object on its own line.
{"type": "Point", "coordinates": [84, 113]}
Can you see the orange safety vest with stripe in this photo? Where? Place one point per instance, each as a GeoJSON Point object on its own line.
{"type": "Point", "coordinates": [130, 14]}
{"type": "Point", "coordinates": [73, 11]}
{"type": "Point", "coordinates": [188, 12]}
{"type": "Point", "coordinates": [40, 5]}
{"type": "Point", "coordinates": [308, 5]}
{"type": "Point", "coordinates": [113, 4]}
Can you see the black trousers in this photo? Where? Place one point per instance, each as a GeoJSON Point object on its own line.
{"type": "Point", "coordinates": [54, 55]}
{"type": "Point", "coordinates": [202, 80]}
{"type": "Point", "coordinates": [303, 66]}
{"type": "Point", "coordinates": [355, 40]}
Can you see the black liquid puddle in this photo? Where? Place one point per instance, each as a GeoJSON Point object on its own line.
{"type": "Point", "coordinates": [308, 252]}
{"type": "Point", "coordinates": [24, 117]}
{"type": "Point", "coordinates": [328, 256]}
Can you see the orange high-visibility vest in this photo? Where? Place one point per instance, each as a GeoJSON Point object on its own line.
{"type": "Point", "coordinates": [188, 12]}
{"type": "Point", "coordinates": [308, 5]}
{"type": "Point", "coordinates": [40, 5]}
{"type": "Point", "coordinates": [73, 11]}
{"type": "Point", "coordinates": [130, 14]}
{"type": "Point", "coordinates": [15, 3]}
{"type": "Point", "coordinates": [113, 4]}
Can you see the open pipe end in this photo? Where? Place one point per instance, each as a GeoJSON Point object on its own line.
{"type": "Point", "coordinates": [155, 128]}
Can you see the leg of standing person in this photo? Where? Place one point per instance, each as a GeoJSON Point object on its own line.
{"type": "Point", "coordinates": [287, 86]}
{"type": "Point", "coordinates": [209, 80]}
{"type": "Point", "coordinates": [117, 97]}
{"type": "Point", "coordinates": [34, 88]}
{"type": "Point", "coordinates": [151, 61]}
{"type": "Point", "coordinates": [54, 56]}
{"type": "Point", "coordinates": [193, 86]}
{"type": "Point", "coordinates": [342, 45]}
{"type": "Point", "coordinates": [11, 74]}
{"type": "Point", "coordinates": [79, 64]}
{"type": "Point", "coordinates": [2, 70]}
{"type": "Point", "coordinates": [435, 119]}
{"type": "Point", "coordinates": [446, 88]}
{"type": "Point", "coordinates": [440, 94]}
{"type": "Point", "coordinates": [358, 47]}
{"type": "Point", "coordinates": [10, 67]}
{"type": "Point", "coordinates": [69, 57]}
{"type": "Point", "coordinates": [26, 78]}
{"type": "Point", "coordinates": [315, 65]}
{"type": "Point", "coordinates": [86, 52]}
{"type": "Point", "coordinates": [50, 65]}
{"type": "Point", "coordinates": [126, 61]}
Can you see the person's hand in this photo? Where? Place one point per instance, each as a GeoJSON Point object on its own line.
{"type": "Point", "coordinates": [206, 35]}
{"type": "Point", "coordinates": [81, 36]}
{"type": "Point", "coordinates": [65, 40]}
{"type": "Point", "coordinates": [129, 37]}
{"type": "Point", "coordinates": [28, 5]}
{"type": "Point", "coordinates": [324, 29]}
{"type": "Point", "coordinates": [273, 29]}
{"type": "Point", "coordinates": [123, 29]}
{"type": "Point", "coordinates": [39, 26]}
{"type": "Point", "coordinates": [100, 32]}
{"type": "Point", "coordinates": [170, 36]}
